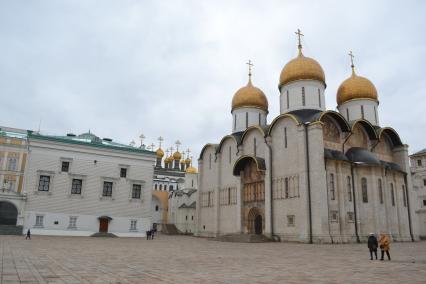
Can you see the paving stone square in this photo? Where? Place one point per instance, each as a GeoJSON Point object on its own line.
{"type": "Point", "coordinates": [185, 259]}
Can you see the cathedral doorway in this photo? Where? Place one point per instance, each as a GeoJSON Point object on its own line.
{"type": "Point", "coordinates": [255, 222]}
{"type": "Point", "coordinates": [104, 224]}
{"type": "Point", "coordinates": [8, 213]}
{"type": "Point", "coordinates": [258, 225]}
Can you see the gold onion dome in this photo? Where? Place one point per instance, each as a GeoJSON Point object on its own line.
{"type": "Point", "coordinates": [191, 170]}
{"type": "Point", "coordinates": [177, 155]}
{"type": "Point", "coordinates": [250, 96]}
{"type": "Point", "coordinates": [188, 161]}
{"type": "Point", "coordinates": [301, 68]}
{"type": "Point", "coordinates": [160, 153]}
{"type": "Point", "coordinates": [182, 161]}
{"type": "Point", "coordinates": [356, 87]}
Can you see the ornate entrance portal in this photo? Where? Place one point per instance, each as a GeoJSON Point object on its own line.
{"type": "Point", "coordinates": [251, 171]}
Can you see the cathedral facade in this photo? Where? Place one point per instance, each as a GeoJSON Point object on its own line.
{"type": "Point", "coordinates": [310, 174]}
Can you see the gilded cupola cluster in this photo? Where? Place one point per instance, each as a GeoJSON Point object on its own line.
{"type": "Point", "coordinates": [172, 158]}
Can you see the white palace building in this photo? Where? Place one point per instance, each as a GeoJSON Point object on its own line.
{"type": "Point", "coordinates": [309, 174]}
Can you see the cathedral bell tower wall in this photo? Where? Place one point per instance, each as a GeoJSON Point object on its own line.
{"type": "Point", "coordinates": [244, 117]}
{"type": "Point", "coordinates": [360, 109]}
{"type": "Point", "coordinates": [302, 94]}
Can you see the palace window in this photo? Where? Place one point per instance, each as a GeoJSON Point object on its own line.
{"type": "Point", "coordinates": [123, 172]}
{"type": "Point", "coordinates": [303, 96]}
{"type": "Point", "coordinates": [334, 216]}
{"type": "Point", "coordinates": [349, 188]}
{"type": "Point", "coordinates": [76, 186]}
{"type": "Point", "coordinates": [332, 190]}
{"type": "Point", "coordinates": [12, 164]}
{"type": "Point", "coordinates": [288, 100]}
{"type": "Point", "coordinates": [419, 163]}
{"type": "Point", "coordinates": [285, 137]}
{"type": "Point", "coordinates": [392, 195]}
{"type": "Point", "coordinates": [72, 223]}
{"type": "Point", "coordinates": [319, 97]}
{"type": "Point", "coordinates": [39, 221]}
{"type": "Point", "coordinates": [133, 225]}
{"type": "Point", "coordinates": [404, 196]}
{"type": "Point", "coordinates": [107, 189]}
{"type": "Point", "coordinates": [379, 184]}
{"type": "Point", "coordinates": [136, 191]}
{"type": "Point", "coordinates": [364, 190]}
{"type": "Point", "coordinates": [170, 187]}
{"type": "Point", "coordinates": [290, 220]}
{"type": "Point", "coordinates": [43, 184]}
{"type": "Point", "coordinates": [65, 167]}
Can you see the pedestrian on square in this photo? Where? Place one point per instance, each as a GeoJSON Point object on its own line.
{"type": "Point", "coordinates": [28, 235]}
{"type": "Point", "coordinates": [372, 245]}
{"type": "Point", "coordinates": [152, 234]}
{"type": "Point", "coordinates": [148, 235]}
{"type": "Point", "coordinates": [384, 243]}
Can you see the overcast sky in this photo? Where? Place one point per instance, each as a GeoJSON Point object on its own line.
{"type": "Point", "coordinates": [170, 68]}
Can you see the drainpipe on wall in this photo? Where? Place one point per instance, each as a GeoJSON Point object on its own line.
{"type": "Point", "coordinates": [308, 173]}
{"type": "Point", "coordinates": [354, 201]}
{"type": "Point", "coordinates": [328, 202]}
{"type": "Point", "coordinates": [408, 207]}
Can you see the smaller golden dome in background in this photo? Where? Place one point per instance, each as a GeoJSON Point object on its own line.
{"type": "Point", "coordinates": [182, 162]}
{"type": "Point", "coordinates": [191, 170]}
{"type": "Point", "coordinates": [177, 155]}
{"type": "Point", "coordinates": [188, 161]}
{"type": "Point", "coordinates": [355, 87]}
{"type": "Point", "coordinates": [160, 153]}
{"type": "Point", "coordinates": [168, 160]}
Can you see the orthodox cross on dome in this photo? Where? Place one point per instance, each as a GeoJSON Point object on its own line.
{"type": "Point", "coordinates": [187, 152]}
{"type": "Point", "coordinates": [299, 39]}
{"type": "Point", "coordinates": [351, 55]}
{"type": "Point", "coordinates": [250, 65]}
{"type": "Point", "coordinates": [141, 137]}
{"type": "Point", "coordinates": [177, 145]}
{"type": "Point", "coordinates": [160, 140]}
{"type": "Point", "coordinates": [171, 150]}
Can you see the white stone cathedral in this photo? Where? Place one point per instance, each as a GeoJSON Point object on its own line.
{"type": "Point", "coordinates": [310, 175]}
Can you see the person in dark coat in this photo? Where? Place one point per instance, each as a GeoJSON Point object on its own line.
{"type": "Point", "coordinates": [28, 235]}
{"type": "Point", "coordinates": [148, 235]}
{"type": "Point", "coordinates": [372, 245]}
{"type": "Point", "coordinates": [152, 234]}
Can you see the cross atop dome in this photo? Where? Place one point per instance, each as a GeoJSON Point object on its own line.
{"type": "Point", "coordinates": [352, 61]}
{"type": "Point", "coordinates": [299, 40]}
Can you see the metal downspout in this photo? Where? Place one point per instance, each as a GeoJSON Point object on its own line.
{"type": "Point", "coordinates": [306, 124]}
{"type": "Point", "coordinates": [354, 201]}
{"type": "Point", "coordinates": [408, 207]}
{"type": "Point", "coordinates": [270, 188]}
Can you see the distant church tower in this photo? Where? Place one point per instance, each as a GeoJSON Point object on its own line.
{"type": "Point", "coordinates": [249, 106]}
{"type": "Point", "coordinates": [302, 83]}
{"type": "Point", "coordinates": [357, 98]}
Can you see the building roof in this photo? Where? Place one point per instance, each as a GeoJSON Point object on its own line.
{"type": "Point", "coordinates": [192, 205]}
{"type": "Point", "coordinates": [89, 139]}
{"type": "Point", "coordinates": [421, 152]}
{"type": "Point", "coordinates": [13, 133]}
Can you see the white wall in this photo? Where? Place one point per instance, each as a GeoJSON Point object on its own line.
{"type": "Point", "coordinates": [240, 116]}
{"type": "Point", "coordinates": [351, 110]}
{"type": "Point", "coordinates": [294, 92]}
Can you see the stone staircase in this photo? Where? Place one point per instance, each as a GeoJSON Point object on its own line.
{"type": "Point", "coordinates": [243, 238]}
{"type": "Point", "coordinates": [11, 230]}
{"type": "Point", "coordinates": [170, 229]}
{"type": "Point", "coordinates": [104, 235]}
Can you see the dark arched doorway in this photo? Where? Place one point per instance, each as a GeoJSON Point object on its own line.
{"type": "Point", "coordinates": [8, 213]}
{"type": "Point", "coordinates": [255, 222]}
{"type": "Point", "coordinates": [258, 225]}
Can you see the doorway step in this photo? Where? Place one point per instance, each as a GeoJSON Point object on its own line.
{"type": "Point", "coordinates": [243, 238]}
{"type": "Point", "coordinates": [170, 229]}
{"type": "Point", "coordinates": [104, 235]}
{"type": "Point", "coordinates": [11, 230]}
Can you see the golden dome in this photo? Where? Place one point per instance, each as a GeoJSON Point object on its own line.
{"type": "Point", "coordinates": [301, 68]}
{"type": "Point", "coordinates": [182, 161]}
{"type": "Point", "coordinates": [191, 170]}
{"type": "Point", "coordinates": [188, 161]}
{"type": "Point", "coordinates": [160, 153]}
{"type": "Point", "coordinates": [168, 159]}
{"type": "Point", "coordinates": [177, 155]}
{"type": "Point", "coordinates": [250, 96]}
{"type": "Point", "coordinates": [356, 87]}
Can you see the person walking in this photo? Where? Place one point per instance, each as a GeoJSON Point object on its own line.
{"type": "Point", "coordinates": [372, 245]}
{"type": "Point", "coordinates": [28, 235]}
{"type": "Point", "coordinates": [384, 243]}
{"type": "Point", "coordinates": [148, 235]}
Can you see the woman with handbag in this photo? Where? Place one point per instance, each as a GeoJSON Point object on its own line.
{"type": "Point", "coordinates": [384, 243]}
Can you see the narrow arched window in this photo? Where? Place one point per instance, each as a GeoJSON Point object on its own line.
{"type": "Point", "coordinates": [285, 137]}
{"type": "Point", "coordinates": [254, 146]}
{"type": "Point", "coordinates": [303, 96]}
{"type": "Point", "coordinates": [404, 196]}
{"type": "Point", "coordinates": [375, 114]}
{"type": "Point", "coordinates": [392, 195]}
{"type": "Point", "coordinates": [349, 188]}
{"type": "Point", "coordinates": [161, 187]}
{"type": "Point", "coordinates": [235, 121]}
{"type": "Point", "coordinates": [347, 114]}
{"type": "Point", "coordinates": [170, 187]}
{"type": "Point", "coordinates": [260, 118]}
{"type": "Point", "coordinates": [319, 97]}
{"type": "Point", "coordinates": [288, 99]}
{"type": "Point", "coordinates": [332, 189]}
{"type": "Point", "coordinates": [362, 112]}
{"type": "Point", "coordinates": [364, 190]}
{"type": "Point", "coordinates": [155, 186]}
{"type": "Point", "coordinates": [246, 119]}
{"type": "Point", "coordinates": [230, 154]}
{"type": "Point", "coordinates": [379, 186]}
{"type": "Point", "coordinates": [210, 161]}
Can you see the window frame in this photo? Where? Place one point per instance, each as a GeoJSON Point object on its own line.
{"type": "Point", "coordinates": [37, 223]}
{"type": "Point", "coordinates": [134, 196]}
{"type": "Point", "coordinates": [107, 192]}
{"type": "Point", "coordinates": [364, 190]}
{"type": "Point", "coordinates": [72, 225]}
{"type": "Point", "coordinates": [44, 183]}
{"type": "Point", "coordinates": [72, 186]}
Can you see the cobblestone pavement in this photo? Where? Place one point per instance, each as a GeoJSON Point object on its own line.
{"type": "Point", "coordinates": [182, 259]}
